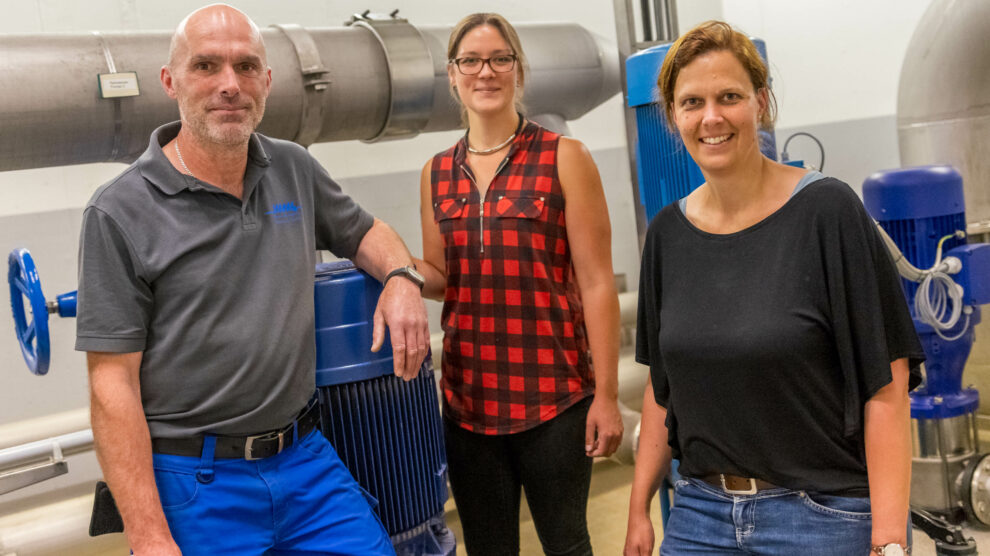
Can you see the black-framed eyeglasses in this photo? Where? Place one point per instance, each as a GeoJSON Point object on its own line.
{"type": "Point", "coordinates": [471, 65]}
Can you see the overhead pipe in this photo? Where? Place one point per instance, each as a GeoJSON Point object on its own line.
{"type": "Point", "coordinates": [378, 78]}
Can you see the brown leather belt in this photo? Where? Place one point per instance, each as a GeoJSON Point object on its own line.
{"type": "Point", "coordinates": [252, 447]}
{"type": "Point", "coordinates": [734, 484]}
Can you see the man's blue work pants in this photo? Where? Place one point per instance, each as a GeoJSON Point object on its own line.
{"type": "Point", "coordinates": [301, 501]}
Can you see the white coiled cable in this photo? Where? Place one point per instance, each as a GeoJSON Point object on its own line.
{"type": "Point", "coordinates": [936, 292]}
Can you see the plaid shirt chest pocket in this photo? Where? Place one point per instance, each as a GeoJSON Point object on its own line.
{"type": "Point", "coordinates": [447, 209]}
{"type": "Point", "coordinates": [523, 206]}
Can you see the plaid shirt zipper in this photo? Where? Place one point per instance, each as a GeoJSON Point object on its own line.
{"type": "Point", "coordinates": [481, 207]}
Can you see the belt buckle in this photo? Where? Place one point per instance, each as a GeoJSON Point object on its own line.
{"type": "Point", "coordinates": [751, 490]}
{"type": "Point", "coordinates": [249, 443]}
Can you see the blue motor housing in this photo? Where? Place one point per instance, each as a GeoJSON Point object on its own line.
{"type": "Point", "coordinates": [917, 207]}
{"type": "Point", "coordinates": [666, 170]}
{"type": "Point", "coordinates": [386, 431]}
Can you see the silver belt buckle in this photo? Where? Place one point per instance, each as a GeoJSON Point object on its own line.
{"type": "Point", "coordinates": [249, 443]}
{"type": "Point", "coordinates": [751, 490]}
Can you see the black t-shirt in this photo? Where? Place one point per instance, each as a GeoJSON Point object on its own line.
{"type": "Point", "coordinates": [765, 344]}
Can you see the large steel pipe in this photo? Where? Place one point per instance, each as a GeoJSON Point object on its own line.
{"type": "Point", "coordinates": [943, 100]}
{"type": "Point", "coordinates": [377, 79]}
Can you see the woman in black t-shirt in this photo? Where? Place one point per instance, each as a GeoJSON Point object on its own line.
{"type": "Point", "coordinates": [780, 347]}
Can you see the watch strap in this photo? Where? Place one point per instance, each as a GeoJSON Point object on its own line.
{"type": "Point", "coordinates": [407, 273]}
{"type": "Point", "coordinates": [879, 549]}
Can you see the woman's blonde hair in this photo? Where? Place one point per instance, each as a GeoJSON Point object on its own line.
{"type": "Point", "coordinates": [713, 36]}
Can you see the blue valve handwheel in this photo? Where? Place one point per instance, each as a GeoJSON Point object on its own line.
{"type": "Point", "coordinates": [32, 336]}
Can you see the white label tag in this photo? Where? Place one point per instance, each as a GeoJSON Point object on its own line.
{"type": "Point", "coordinates": [124, 84]}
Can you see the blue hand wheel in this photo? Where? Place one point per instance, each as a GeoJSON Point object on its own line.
{"type": "Point", "coordinates": [32, 336]}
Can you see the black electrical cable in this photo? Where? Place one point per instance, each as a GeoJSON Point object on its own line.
{"type": "Point", "coordinates": [821, 149]}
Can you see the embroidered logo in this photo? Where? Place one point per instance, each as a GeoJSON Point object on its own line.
{"type": "Point", "coordinates": [283, 213]}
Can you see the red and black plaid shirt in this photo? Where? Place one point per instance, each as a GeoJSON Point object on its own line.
{"type": "Point", "coordinates": [515, 350]}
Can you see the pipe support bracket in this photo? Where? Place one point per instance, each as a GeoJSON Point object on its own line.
{"type": "Point", "coordinates": [410, 70]}
{"type": "Point", "coordinates": [316, 79]}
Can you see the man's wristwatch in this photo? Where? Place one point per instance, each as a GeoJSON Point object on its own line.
{"type": "Point", "coordinates": [408, 272]}
{"type": "Point", "coordinates": [890, 549]}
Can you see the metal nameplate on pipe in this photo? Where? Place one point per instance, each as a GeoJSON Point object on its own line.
{"type": "Point", "coordinates": [115, 85]}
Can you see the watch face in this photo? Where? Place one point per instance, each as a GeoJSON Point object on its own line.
{"type": "Point", "coordinates": [893, 550]}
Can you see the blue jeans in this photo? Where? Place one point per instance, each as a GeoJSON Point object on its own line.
{"type": "Point", "coordinates": [706, 520]}
{"type": "Point", "coordinates": [301, 501]}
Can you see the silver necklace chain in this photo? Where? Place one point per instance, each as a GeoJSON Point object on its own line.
{"type": "Point", "coordinates": [182, 162]}
{"type": "Point", "coordinates": [473, 150]}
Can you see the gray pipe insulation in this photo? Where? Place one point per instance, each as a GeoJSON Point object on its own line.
{"type": "Point", "coordinates": [378, 78]}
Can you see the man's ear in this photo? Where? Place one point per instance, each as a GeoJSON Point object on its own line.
{"type": "Point", "coordinates": [167, 82]}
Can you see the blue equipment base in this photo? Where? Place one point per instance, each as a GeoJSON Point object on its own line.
{"type": "Point", "coordinates": [428, 539]}
{"type": "Point", "coordinates": [944, 406]}
{"type": "Point", "coordinates": [942, 395]}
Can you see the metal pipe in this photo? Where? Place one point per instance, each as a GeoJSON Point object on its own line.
{"type": "Point", "coordinates": [665, 12]}
{"type": "Point", "coordinates": [644, 13]}
{"type": "Point", "coordinates": [47, 426]}
{"type": "Point", "coordinates": [44, 450]}
{"type": "Point", "coordinates": [366, 82]}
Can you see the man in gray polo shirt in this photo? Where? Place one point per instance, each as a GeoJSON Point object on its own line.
{"type": "Point", "coordinates": [196, 310]}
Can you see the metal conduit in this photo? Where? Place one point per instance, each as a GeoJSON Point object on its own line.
{"type": "Point", "coordinates": [379, 78]}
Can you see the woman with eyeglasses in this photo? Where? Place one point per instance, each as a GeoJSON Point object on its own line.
{"type": "Point", "coordinates": [517, 243]}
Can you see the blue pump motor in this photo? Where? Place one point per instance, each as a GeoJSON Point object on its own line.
{"type": "Point", "coordinates": [387, 432]}
{"type": "Point", "coordinates": [666, 170]}
{"type": "Point", "coordinates": [920, 208]}
{"type": "Point", "coordinates": [917, 207]}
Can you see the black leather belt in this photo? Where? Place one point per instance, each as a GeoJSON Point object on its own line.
{"type": "Point", "coordinates": [733, 484]}
{"type": "Point", "coordinates": [252, 447]}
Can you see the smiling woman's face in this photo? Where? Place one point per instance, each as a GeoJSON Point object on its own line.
{"type": "Point", "coordinates": [717, 111]}
{"type": "Point", "coordinates": [487, 91]}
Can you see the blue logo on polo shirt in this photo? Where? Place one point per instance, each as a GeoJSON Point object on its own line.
{"type": "Point", "coordinates": [283, 213]}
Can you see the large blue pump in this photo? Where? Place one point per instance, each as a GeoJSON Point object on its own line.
{"type": "Point", "coordinates": [917, 207]}
{"type": "Point", "coordinates": [922, 210]}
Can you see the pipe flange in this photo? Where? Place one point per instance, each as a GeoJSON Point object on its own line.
{"type": "Point", "coordinates": [316, 79]}
{"type": "Point", "coordinates": [410, 71]}
{"type": "Point", "coordinates": [975, 493]}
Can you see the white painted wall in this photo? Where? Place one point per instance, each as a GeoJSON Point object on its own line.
{"type": "Point", "coordinates": [831, 60]}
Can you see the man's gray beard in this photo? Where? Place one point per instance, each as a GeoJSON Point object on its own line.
{"type": "Point", "coordinates": [226, 137]}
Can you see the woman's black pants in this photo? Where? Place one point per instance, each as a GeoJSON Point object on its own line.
{"type": "Point", "coordinates": [548, 461]}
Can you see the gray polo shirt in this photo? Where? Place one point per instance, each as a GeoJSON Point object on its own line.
{"type": "Point", "coordinates": [217, 292]}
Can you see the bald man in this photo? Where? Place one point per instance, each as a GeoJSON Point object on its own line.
{"type": "Point", "coordinates": [196, 310]}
